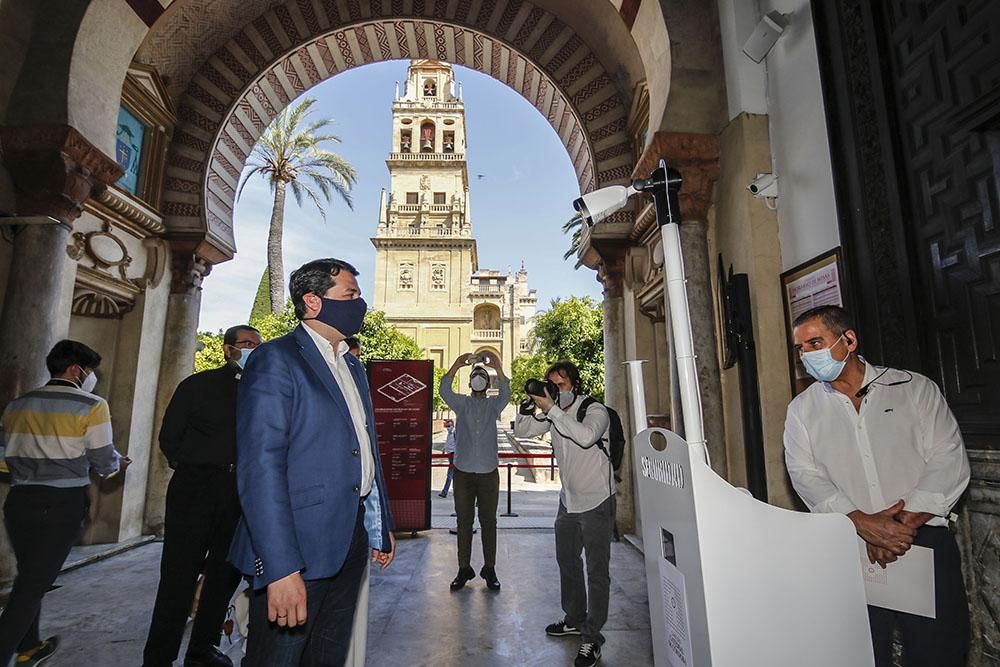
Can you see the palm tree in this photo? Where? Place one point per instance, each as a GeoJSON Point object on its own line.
{"type": "Point", "coordinates": [576, 226]}
{"type": "Point", "coordinates": [288, 155]}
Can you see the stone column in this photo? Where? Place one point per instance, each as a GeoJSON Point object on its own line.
{"type": "Point", "coordinates": [54, 170]}
{"type": "Point", "coordinates": [179, 345]}
{"type": "Point", "coordinates": [611, 273]}
{"type": "Point", "coordinates": [696, 156]}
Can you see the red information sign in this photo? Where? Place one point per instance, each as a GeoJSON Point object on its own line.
{"type": "Point", "coordinates": [402, 398]}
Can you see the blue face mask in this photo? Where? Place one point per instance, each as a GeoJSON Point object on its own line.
{"type": "Point", "coordinates": [344, 316]}
{"type": "Point", "coordinates": [244, 355]}
{"type": "Point", "coordinates": [821, 365]}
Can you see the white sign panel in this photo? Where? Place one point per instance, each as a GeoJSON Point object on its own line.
{"type": "Point", "coordinates": [907, 584]}
{"type": "Point", "coordinates": [677, 629]}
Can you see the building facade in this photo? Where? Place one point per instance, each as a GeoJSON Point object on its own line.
{"type": "Point", "coordinates": [427, 276]}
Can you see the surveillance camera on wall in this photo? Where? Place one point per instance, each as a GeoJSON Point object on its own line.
{"type": "Point", "coordinates": [765, 36]}
{"type": "Point", "coordinates": [765, 185]}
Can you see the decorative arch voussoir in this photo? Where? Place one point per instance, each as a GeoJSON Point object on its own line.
{"type": "Point", "coordinates": [300, 43]}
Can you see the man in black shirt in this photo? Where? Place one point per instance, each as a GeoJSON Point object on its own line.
{"type": "Point", "coordinates": [198, 437]}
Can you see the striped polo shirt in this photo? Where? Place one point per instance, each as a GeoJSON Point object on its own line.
{"type": "Point", "coordinates": [55, 434]}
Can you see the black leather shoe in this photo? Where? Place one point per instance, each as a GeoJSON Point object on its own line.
{"type": "Point", "coordinates": [464, 574]}
{"type": "Point", "coordinates": [213, 657]}
{"type": "Point", "coordinates": [490, 575]}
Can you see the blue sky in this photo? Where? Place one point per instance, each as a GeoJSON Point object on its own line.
{"type": "Point", "coordinates": [518, 207]}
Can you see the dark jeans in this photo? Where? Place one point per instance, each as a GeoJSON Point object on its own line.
{"type": "Point", "coordinates": [474, 489]}
{"type": "Point", "coordinates": [585, 601]}
{"type": "Point", "coordinates": [326, 637]}
{"type": "Point", "coordinates": [201, 514]}
{"type": "Point", "coordinates": [929, 642]}
{"type": "Point", "coordinates": [43, 523]}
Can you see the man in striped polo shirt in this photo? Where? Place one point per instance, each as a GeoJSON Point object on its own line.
{"type": "Point", "coordinates": [54, 436]}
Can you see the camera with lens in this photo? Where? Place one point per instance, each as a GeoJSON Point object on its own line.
{"type": "Point", "coordinates": [535, 387]}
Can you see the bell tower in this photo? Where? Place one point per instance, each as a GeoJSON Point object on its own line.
{"type": "Point", "coordinates": [425, 253]}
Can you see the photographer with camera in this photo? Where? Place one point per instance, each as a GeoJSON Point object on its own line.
{"type": "Point", "coordinates": [586, 517]}
{"type": "Point", "coordinates": [477, 481]}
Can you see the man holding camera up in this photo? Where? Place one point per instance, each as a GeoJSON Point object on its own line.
{"type": "Point", "coordinates": [586, 517]}
{"type": "Point", "coordinates": [477, 481]}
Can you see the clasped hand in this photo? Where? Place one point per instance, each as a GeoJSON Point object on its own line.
{"type": "Point", "coordinates": [890, 533]}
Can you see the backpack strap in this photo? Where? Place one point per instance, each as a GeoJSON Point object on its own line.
{"type": "Point", "coordinates": [581, 411]}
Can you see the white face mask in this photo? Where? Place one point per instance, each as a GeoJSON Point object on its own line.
{"type": "Point", "coordinates": [478, 383]}
{"type": "Point", "coordinates": [89, 382]}
{"type": "Point", "coordinates": [566, 398]}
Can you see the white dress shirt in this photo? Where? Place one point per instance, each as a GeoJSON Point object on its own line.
{"type": "Point", "coordinates": [349, 388]}
{"type": "Point", "coordinates": [903, 444]}
{"type": "Point", "coordinates": [585, 471]}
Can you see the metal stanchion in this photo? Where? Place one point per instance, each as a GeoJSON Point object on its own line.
{"type": "Point", "coordinates": [552, 467]}
{"type": "Point", "coordinates": [508, 512]}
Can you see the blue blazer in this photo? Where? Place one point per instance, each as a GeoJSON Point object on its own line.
{"type": "Point", "coordinates": [298, 466]}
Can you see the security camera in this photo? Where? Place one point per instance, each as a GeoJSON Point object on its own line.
{"type": "Point", "coordinates": [599, 204]}
{"type": "Point", "coordinates": [765, 185]}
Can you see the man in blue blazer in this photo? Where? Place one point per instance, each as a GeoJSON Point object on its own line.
{"type": "Point", "coordinates": [310, 482]}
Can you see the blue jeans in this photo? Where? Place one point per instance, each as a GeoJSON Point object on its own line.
{"type": "Point", "coordinates": [451, 475]}
{"type": "Point", "coordinates": [326, 637]}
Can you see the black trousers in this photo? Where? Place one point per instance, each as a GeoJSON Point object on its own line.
{"type": "Point", "coordinates": [43, 523]}
{"type": "Point", "coordinates": [202, 511]}
{"type": "Point", "coordinates": [472, 490]}
{"type": "Point", "coordinates": [325, 639]}
{"type": "Point", "coordinates": [929, 642]}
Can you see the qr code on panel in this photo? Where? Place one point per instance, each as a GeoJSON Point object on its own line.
{"type": "Point", "coordinates": [402, 388]}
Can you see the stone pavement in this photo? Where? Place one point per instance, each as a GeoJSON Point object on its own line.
{"type": "Point", "coordinates": [101, 611]}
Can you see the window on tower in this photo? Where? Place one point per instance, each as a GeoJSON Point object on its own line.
{"type": "Point", "coordinates": [439, 277]}
{"type": "Point", "coordinates": [406, 275]}
{"type": "Point", "coordinates": [449, 141]}
{"type": "Point", "coordinates": [427, 137]}
{"type": "Point", "coordinates": [430, 88]}
{"type": "Point", "coordinates": [412, 198]}
{"type": "Point", "coordinates": [405, 140]}
{"type": "Point", "coordinates": [440, 198]}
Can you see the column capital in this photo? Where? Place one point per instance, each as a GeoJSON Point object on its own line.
{"type": "Point", "coordinates": [611, 271]}
{"type": "Point", "coordinates": [188, 270]}
{"type": "Point", "coordinates": [696, 156]}
{"type": "Point", "coordinates": [54, 169]}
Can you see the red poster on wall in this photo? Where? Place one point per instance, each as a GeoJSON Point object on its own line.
{"type": "Point", "coordinates": [402, 398]}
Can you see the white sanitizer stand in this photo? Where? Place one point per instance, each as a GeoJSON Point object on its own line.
{"type": "Point", "coordinates": [734, 582]}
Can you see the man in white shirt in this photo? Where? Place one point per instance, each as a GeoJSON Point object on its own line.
{"type": "Point", "coordinates": [586, 517]}
{"type": "Point", "coordinates": [881, 446]}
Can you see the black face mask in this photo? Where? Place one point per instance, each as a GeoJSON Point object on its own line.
{"type": "Point", "coordinates": [344, 316]}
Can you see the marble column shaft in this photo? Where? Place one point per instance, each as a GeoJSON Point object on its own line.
{"type": "Point", "coordinates": [180, 342]}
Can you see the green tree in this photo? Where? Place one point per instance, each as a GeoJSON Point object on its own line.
{"type": "Point", "coordinates": [572, 329]}
{"type": "Point", "coordinates": [288, 155]}
{"type": "Point", "coordinates": [262, 302]}
{"type": "Point", "coordinates": [381, 340]}
{"type": "Point", "coordinates": [210, 355]}
{"type": "Point", "coordinates": [272, 326]}
{"type": "Point", "coordinates": [438, 404]}
{"type": "Point", "coordinates": [523, 368]}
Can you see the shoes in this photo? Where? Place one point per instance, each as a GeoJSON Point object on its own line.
{"type": "Point", "coordinates": [213, 657]}
{"type": "Point", "coordinates": [561, 629]}
{"type": "Point", "coordinates": [442, 495]}
{"type": "Point", "coordinates": [44, 652]}
{"type": "Point", "coordinates": [588, 655]}
{"type": "Point", "coordinates": [490, 575]}
{"type": "Point", "coordinates": [464, 575]}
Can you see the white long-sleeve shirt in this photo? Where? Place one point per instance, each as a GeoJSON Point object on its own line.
{"type": "Point", "coordinates": [903, 443]}
{"type": "Point", "coordinates": [584, 469]}
{"type": "Point", "coordinates": [349, 388]}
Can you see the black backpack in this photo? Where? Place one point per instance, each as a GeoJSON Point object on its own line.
{"type": "Point", "coordinates": [616, 434]}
